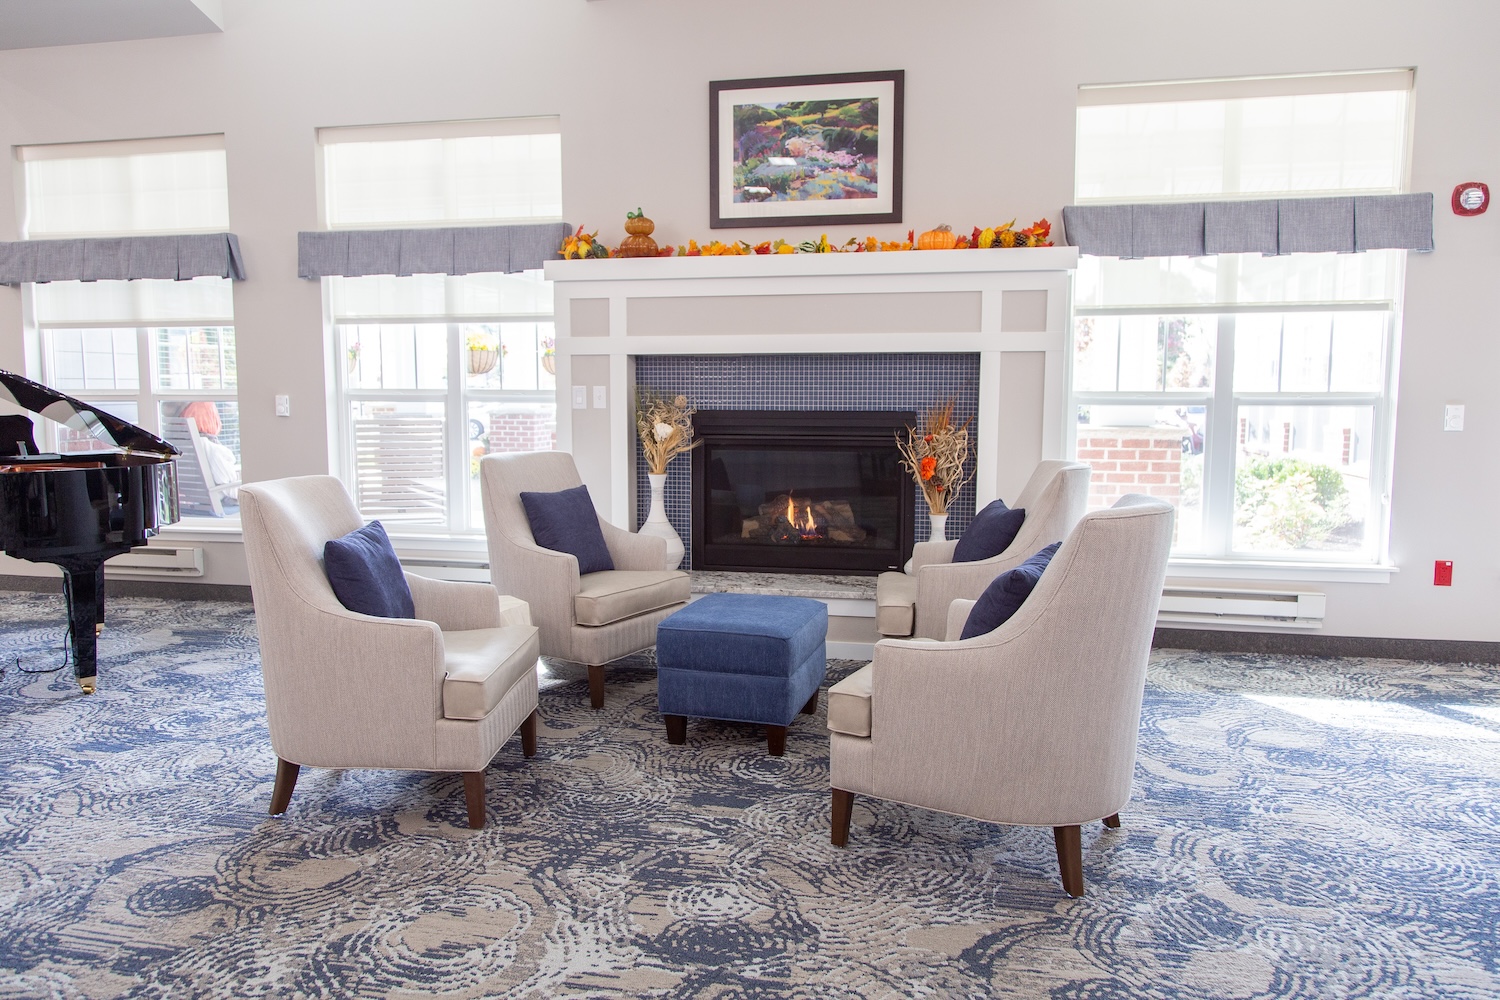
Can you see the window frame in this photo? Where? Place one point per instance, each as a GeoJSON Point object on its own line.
{"type": "Point", "coordinates": [1222, 402]}
{"type": "Point", "coordinates": [148, 396]}
{"type": "Point", "coordinates": [455, 398]}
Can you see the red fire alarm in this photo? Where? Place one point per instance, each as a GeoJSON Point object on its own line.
{"type": "Point", "coordinates": [1471, 198]}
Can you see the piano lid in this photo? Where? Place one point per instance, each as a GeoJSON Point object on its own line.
{"type": "Point", "coordinates": [80, 416]}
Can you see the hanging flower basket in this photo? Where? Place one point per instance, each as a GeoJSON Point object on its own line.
{"type": "Point", "coordinates": [483, 360]}
{"type": "Point", "coordinates": [549, 362]}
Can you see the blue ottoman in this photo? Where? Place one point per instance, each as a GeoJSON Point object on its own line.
{"type": "Point", "coordinates": [741, 658]}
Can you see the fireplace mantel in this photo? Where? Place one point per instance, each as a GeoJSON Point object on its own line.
{"type": "Point", "coordinates": [1008, 306]}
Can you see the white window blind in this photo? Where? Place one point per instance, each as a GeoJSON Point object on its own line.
{"type": "Point", "coordinates": [129, 188]}
{"type": "Point", "coordinates": [1184, 146]}
{"type": "Point", "coordinates": [466, 172]}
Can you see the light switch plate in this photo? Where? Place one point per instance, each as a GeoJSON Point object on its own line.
{"type": "Point", "coordinates": [283, 406]}
{"type": "Point", "coordinates": [601, 397]}
{"type": "Point", "coordinates": [580, 397]}
{"type": "Point", "coordinates": [1453, 417]}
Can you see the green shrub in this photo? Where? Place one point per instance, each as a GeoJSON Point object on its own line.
{"type": "Point", "coordinates": [1289, 502]}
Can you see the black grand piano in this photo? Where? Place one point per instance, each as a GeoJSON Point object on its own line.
{"type": "Point", "coordinates": [78, 510]}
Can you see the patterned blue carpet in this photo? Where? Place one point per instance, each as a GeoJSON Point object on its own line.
{"type": "Point", "coordinates": [1301, 828]}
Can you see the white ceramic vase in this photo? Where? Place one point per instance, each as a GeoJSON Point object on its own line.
{"type": "Point", "coordinates": [939, 527]}
{"type": "Point", "coordinates": [657, 523]}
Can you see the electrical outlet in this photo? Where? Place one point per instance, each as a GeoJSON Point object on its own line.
{"type": "Point", "coordinates": [580, 397]}
{"type": "Point", "coordinates": [283, 406]}
{"type": "Point", "coordinates": [601, 397]}
{"type": "Point", "coordinates": [1453, 417]}
{"type": "Point", "coordinates": [1442, 573]}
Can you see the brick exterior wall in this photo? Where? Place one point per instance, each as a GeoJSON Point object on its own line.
{"type": "Point", "coordinates": [1132, 460]}
{"type": "Point", "coordinates": [522, 429]}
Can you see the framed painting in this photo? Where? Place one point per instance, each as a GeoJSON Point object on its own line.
{"type": "Point", "coordinates": [805, 150]}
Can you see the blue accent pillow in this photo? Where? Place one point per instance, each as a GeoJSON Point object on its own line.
{"type": "Point", "coordinates": [1006, 593]}
{"type": "Point", "coordinates": [990, 534]}
{"type": "Point", "coordinates": [566, 522]}
{"type": "Point", "coordinates": [365, 574]}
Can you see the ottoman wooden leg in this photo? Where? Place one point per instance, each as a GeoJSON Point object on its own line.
{"type": "Point", "coordinates": [676, 729]}
{"type": "Point", "coordinates": [776, 740]}
{"type": "Point", "coordinates": [596, 686]}
{"type": "Point", "coordinates": [811, 708]}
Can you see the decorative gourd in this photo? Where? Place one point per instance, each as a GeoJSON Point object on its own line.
{"type": "Point", "coordinates": [639, 243]}
{"type": "Point", "coordinates": [941, 238]}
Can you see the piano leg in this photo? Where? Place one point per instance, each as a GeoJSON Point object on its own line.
{"type": "Point", "coordinates": [99, 588]}
{"type": "Point", "coordinates": [84, 589]}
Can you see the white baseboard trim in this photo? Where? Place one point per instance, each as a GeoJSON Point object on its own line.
{"type": "Point", "coordinates": [851, 650]}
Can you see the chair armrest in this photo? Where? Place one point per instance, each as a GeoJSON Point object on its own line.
{"type": "Point", "coordinates": [958, 617]}
{"type": "Point", "coordinates": [457, 606]}
{"type": "Point", "coordinates": [932, 553]}
{"type": "Point", "coordinates": [629, 550]}
{"type": "Point", "coordinates": [940, 584]}
{"type": "Point", "coordinates": [350, 690]}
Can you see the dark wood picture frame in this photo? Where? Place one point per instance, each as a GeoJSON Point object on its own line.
{"type": "Point", "coordinates": [883, 206]}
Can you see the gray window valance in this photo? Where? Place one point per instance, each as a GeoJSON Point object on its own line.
{"type": "Point", "coordinates": [122, 258]}
{"type": "Point", "coordinates": [1267, 226]}
{"type": "Point", "coordinates": [457, 250]}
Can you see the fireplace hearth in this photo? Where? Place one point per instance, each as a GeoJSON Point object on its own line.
{"type": "Point", "coordinates": [800, 491]}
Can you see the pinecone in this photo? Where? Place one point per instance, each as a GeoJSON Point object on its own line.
{"type": "Point", "coordinates": [1022, 240]}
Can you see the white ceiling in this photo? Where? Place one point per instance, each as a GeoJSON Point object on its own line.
{"type": "Point", "coordinates": [27, 24]}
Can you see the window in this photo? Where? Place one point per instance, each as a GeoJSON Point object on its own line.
{"type": "Point", "coordinates": [433, 371]}
{"type": "Point", "coordinates": [1254, 392]}
{"type": "Point", "coordinates": [155, 353]}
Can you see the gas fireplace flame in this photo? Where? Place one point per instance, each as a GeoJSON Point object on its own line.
{"type": "Point", "coordinates": [807, 526]}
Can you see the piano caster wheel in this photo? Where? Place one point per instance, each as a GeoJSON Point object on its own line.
{"type": "Point", "coordinates": [87, 684]}
{"type": "Point", "coordinates": [98, 628]}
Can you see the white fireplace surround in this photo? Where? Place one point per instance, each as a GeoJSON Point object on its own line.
{"type": "Point", "coordinates": [1010, 307]}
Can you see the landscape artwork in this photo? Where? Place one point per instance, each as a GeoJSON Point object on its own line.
{"type": "Point", "coordinates": [813, 150]}
{"type": "Point", "coordinates": [806, 150]}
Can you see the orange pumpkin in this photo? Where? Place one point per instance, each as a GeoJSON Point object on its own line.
{"type": "Point", "coordinates": [941, 238]}
{"type": "Point", "coordinates": [639, 243]}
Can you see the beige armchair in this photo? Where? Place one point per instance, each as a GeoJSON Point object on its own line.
{"type": "Point", "coordinates": [439, 692]}
{"type": "Point", "coordinates": [1035, 723]}
{"type": "Point", "coordinates": [916, 603]}
{"type": "Point", "coordinates": [590, 618]}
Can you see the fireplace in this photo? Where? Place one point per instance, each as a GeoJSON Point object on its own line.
{"type": "Point", "coordinates": [800, 491]}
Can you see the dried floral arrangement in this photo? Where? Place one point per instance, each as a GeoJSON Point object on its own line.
{"type": "Point", "coordinates": [665, 427]}
{"type": "Point", "coordinates": [935, 453]}
{"type": "Point", "coordinates": [583, 245]}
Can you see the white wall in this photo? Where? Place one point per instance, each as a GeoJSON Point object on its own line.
{"type": "Point", "coordinates": [989, 135]}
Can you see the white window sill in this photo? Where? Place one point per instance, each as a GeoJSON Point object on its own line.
{"type": "Point", "coordinates": [202, 529]}
{"type": "Point", "coordinates": [1287, 571]}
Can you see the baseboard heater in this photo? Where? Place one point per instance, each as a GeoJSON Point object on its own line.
{"type": "Point", "coordinates": [158, 560]}
{"type": "Point", "coordinates": [449, 568]}
{"type": "Point", "coordinates": [1223, 606]}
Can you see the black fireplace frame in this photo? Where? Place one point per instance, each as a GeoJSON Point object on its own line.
{"type": "Point", "coordinates": [809, 429]}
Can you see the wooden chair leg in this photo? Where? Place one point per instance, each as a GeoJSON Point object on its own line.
{"type": "Point", "coordinates": [596, 685]}
{"type": "Point", "coordinates": [676, 729]}
{"type": "Point", "coordinates": [286, 780]}
{"type": "Point", "coordinates": [1070, 858]}
{"type": "Point", "coordinates": [843, 812]}
{"type": "Point", "coordinates": [776, 740]}
{"type": "Point", "coordinates": [528, 735]}
{"type": "Point", "coordinates": [811, 707]}
{"type": "Point", "coordinates": [1112, 821]}
{"type": "Point", "coordinates": [474, 798]}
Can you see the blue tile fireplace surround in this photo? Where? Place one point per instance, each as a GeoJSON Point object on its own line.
{"type": "Point", "coordinates": [808, 382]}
